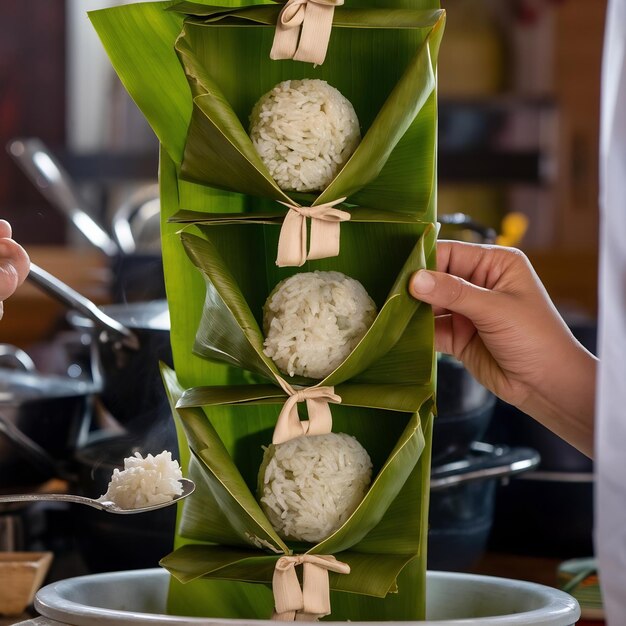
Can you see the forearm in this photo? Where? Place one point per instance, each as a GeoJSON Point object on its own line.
{"type": "Point", "coordinates": [564, 402]}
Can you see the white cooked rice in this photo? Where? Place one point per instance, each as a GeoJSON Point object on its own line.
{"type": "Point", "coordinates": [313, 484]}
{"type": "Point", "coordinates": [313, 320]}
{"type": "Point", "coordinates": [144, 482]}
{"type": "Point", "coordinates": [304, 131]}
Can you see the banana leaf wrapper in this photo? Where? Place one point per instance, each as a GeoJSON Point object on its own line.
{"type": "Point", "coordinates": [230, 537]}
{"type": "Point", "coordinates": [230, 327]}
{"type": "Point", "coordinates": [219, 152]}
{"type": "Point", "coordinates": [140, 39]}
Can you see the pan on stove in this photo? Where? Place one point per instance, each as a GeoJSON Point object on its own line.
{"type": "Point", "coordinates": [133, 248]}
{"type": "Point", "coordinates": [131, 339]}
{"type": "Point", "coordinates": [463, 497]}
{"type": "Point", "coordinates": [42, 420]}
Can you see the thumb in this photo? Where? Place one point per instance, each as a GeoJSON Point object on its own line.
{"type": "Point", "coordinates": [445, 291]}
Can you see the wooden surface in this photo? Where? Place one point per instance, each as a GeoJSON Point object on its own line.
{"type": "Point", "coordinates": [21, 575]}
{"type": "Point", "coordinates": [578, 41]}
{"type": "Point", "coordinates": [31, 315]}
{"type": "Point", "coordinates": [533, 569]}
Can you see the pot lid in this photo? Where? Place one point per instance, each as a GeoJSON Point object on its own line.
{"type": "Point", "coordinates": [17, 387]}
{"type": "Point", "coordinates": [152, 315]}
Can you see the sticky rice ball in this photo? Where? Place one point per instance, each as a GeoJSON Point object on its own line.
{"type": "Point", "coordinates": [309, 486]}
{"type": "Point", "coordinates": [304, 131]}
{"type": "Point", "coordinates": [313, 320]}
{"type": "Point", "coordinates": [145, 481]}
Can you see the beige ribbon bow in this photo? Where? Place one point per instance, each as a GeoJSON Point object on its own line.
{"type": "Point", "coordinates": [292, 244]}
{"type": "Point", "coordinates": [312, 601]}
{"type": "Point", "coordinates": [289, 426]}
{"type": "Point", "coordinates": [303, 30]}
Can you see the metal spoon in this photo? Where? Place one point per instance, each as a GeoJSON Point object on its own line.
{"type": "Point", "coordinates": [99, 503]}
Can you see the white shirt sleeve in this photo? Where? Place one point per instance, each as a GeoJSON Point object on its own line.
{"type": "Point", "coordinates": [611, 403]}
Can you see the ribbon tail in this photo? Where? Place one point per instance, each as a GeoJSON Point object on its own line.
{"type": "Point", "coordinates": [320, 417]}
{"type": "Point", "coordinates": [315, 590]}
{"type": "Point", "coordinates": [285, 42]}
{"type": "Point", "coordinates": [288, 597]}
{"type": "Point", "coordinates": [292, 241]}
{"type": "Point", "coordinates": [324, 239]}
{"type": "Point", "coordinates": [315, 34]}
{"type": "Point", "coordinates": [288, 425]}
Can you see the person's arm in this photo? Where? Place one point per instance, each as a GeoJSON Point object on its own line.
{"type": "Point", "coordinates": [494, 315]}
{"type": "Point", "coordinates": [14, 264]}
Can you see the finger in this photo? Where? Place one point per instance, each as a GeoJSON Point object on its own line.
{"type": "Point", "coordinates": [443, 334]}
{"type": "Point", "coordinates": [14, 267]}
{"type": "Point", "coordinates": [453, 333]}
{"type": "Point", "coordinates": [480, 264]}
{"type": "Point", "coordinates": [450, 293]}
{"type": "Point", "coordinates": [5, 229]}
{"type": "Point", "coordinates": [458, 258]}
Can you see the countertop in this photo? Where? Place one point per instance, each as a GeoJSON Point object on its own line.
{"type": "Point", "coordinates": [533, 569]}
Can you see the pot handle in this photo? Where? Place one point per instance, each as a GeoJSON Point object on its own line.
{"type": "Point", "coordinates": [68, 296]}
{"type": "Point", "coordinates": [501, 462]}
{"type": "Point", "coordinates": [54, 183]}
{"type": "Point", "coordinates": [15, 358]}
{"type": "Point", "coordinates": [127, 214]}
{"type": "Point", "coordinates": [463, 221]}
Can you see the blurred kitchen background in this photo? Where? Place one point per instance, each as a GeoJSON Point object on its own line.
{"type": "Point", "coordinates": [519, 85]}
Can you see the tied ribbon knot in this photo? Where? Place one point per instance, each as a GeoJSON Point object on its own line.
{"type": "Point", "coordinates": [325, 220]}
{"type": "Point", "coordinates": [320, 422]}
{"type": "Point", "coordinates": [303, 30]}
{"type": "Point", "coordinates": [312, 601]}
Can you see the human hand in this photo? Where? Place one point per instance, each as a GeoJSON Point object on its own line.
{"type": "Point", "coordinates": [14, 264]}
{"type": "Point", "coordinates": [494, 315]}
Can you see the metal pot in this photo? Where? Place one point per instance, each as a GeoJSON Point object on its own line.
{"type": "Point", "coordinates": [133, 391]}
{"type": "Point", "coordinates": [462, 502]}
{"type": "Point", "coordinates": [464, 410]}
{"type": "Point", "coordinates": [546, 514]}
{"type": "Point", "coordinates": [134, 247]}
{"type": "Point", "coordinates": [131, 340]}
{"type": "Point", "coordinates": [42, 419]}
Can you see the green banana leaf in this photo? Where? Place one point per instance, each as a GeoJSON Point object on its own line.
{"type": "Point", "coordinates": [275, 217]}
{"type": "Point", "coordinates": [195, 561]}
{"type": "Point", "coordinates": [140, 41]}
{"type": "Point", "coordinates": [348, 417]}
{"type": "Point", "coordinates": [229, 330]}
{"type": "Point", "coordinates": [221, 486]}
{"type": "Point", "coordinates": [405, 398]}
{"type": "Point", "coordinates": [219, 152]}
{"type": "Point", "coordinates": [226, 489]}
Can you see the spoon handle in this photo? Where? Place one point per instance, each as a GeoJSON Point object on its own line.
{"type": "Point", "coordinates": [52, 497]}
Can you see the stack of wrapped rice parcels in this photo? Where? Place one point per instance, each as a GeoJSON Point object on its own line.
{"type": "Point", "coordinates": [298, 195]}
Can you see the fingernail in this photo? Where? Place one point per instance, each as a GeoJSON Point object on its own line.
{"type": "Point", "coordinates": [423, 282]}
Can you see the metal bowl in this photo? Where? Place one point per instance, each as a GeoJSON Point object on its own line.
{"type": "Point", "coordinates": [131, 598]}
